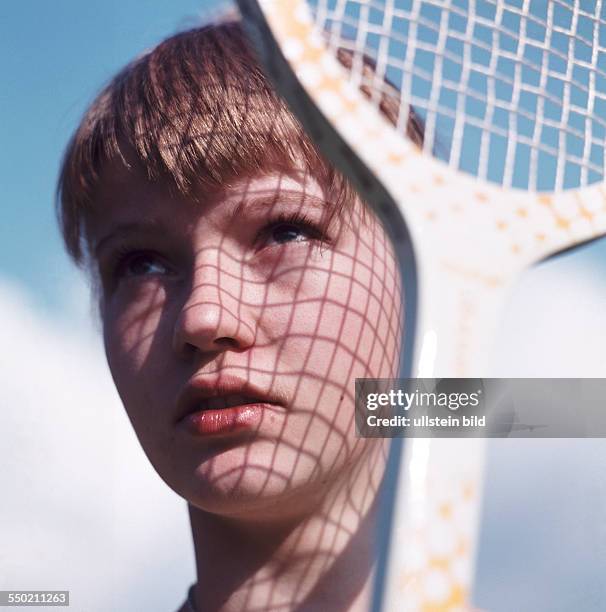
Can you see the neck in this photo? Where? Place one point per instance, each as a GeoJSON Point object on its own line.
{"type": "Point", "coordinates": [321, 559]}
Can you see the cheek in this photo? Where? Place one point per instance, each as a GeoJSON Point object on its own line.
{"type": "Point", "coordinates": [132, 327]}
{"type": "Point", "coordinates": [380, 288]}
{"type": "Point", "coordinates": [345, 320]}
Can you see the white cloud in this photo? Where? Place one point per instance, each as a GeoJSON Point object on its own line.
{"type": "Point", "coordinates": [81, 508]}
{"type": "Point", "coordinates": [543, 543]}
{"type": "Point", "coordinates": [555, 322]}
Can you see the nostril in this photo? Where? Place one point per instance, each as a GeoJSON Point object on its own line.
{"type": "Point", "coordinates": [226, 342]}
{"type": "Point", "coordinates": [189, 350]}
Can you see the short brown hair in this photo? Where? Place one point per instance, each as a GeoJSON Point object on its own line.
{"type": "Point", "coordinates": [196, 110]}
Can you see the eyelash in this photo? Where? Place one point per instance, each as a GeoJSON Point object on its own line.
{"type": "Point", "coordinates": [296, 219]}
{"type": "Point", "coordinates": [123, 255]}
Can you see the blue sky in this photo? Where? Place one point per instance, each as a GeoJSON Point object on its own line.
{"type": "Point", "coordinates": [54, 57]}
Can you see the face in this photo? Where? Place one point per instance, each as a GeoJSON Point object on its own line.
{"type": "Point", "coordinates": [235, 328]}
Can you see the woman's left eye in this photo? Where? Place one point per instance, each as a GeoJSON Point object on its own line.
{"type": "Point", "coordinates": [288, 232]}
{"type": "Point", "coordinates": [292, 228]}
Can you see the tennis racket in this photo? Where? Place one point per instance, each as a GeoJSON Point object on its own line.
{"type": "Point", "coordinates": [512, 95]}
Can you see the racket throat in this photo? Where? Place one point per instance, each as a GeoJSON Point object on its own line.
{"type": "Point", "coordinates": [459, 313]}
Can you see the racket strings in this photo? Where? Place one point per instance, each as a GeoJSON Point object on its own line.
{"type": "Point", "coordinates": [513, 92]}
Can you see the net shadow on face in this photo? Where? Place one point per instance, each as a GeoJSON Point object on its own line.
{"type": "Point", "coordinates": [235, 330]}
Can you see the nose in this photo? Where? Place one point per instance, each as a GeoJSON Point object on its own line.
{"type": "Point", "coordinates": [214, 315]}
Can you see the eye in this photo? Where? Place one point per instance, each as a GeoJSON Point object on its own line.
{"type": "Point", "coordinates": [291, 228]}
{"type": "Point", "coordinates": [288, 232]}
{"type": "Point", "coordinates": [140, 264]}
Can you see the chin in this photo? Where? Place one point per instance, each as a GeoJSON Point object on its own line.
{"type": "Point", "coordinates": [260, 481]}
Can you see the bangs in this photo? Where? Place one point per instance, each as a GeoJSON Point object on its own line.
{"type": "Point", "coordinates": [197, 112]}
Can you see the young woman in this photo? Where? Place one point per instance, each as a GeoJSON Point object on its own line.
{"type": "Point", "coordinates": [242, 288]}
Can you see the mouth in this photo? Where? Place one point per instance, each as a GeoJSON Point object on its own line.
{"type": "Point", "coordinates": [226, 401]}
{"type": "Point", "coordinates": [219, 407]}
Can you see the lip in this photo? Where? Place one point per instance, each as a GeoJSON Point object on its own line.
{"type": "Point", "coordinates": [221, 405]}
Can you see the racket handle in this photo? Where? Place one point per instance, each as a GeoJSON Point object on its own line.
{"type": "Point", "coordinates": [436, 516]}
{"type": "Point", "coordinates": [430, 564]}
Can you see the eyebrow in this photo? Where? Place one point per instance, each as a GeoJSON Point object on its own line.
{"type": "Point", "coordinates": [285, 196]}
{"type": "Point", "coordinates": [150, 226]}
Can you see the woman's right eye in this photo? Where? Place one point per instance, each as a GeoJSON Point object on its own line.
{"type": "Point", "coordinates": [140, 264]}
